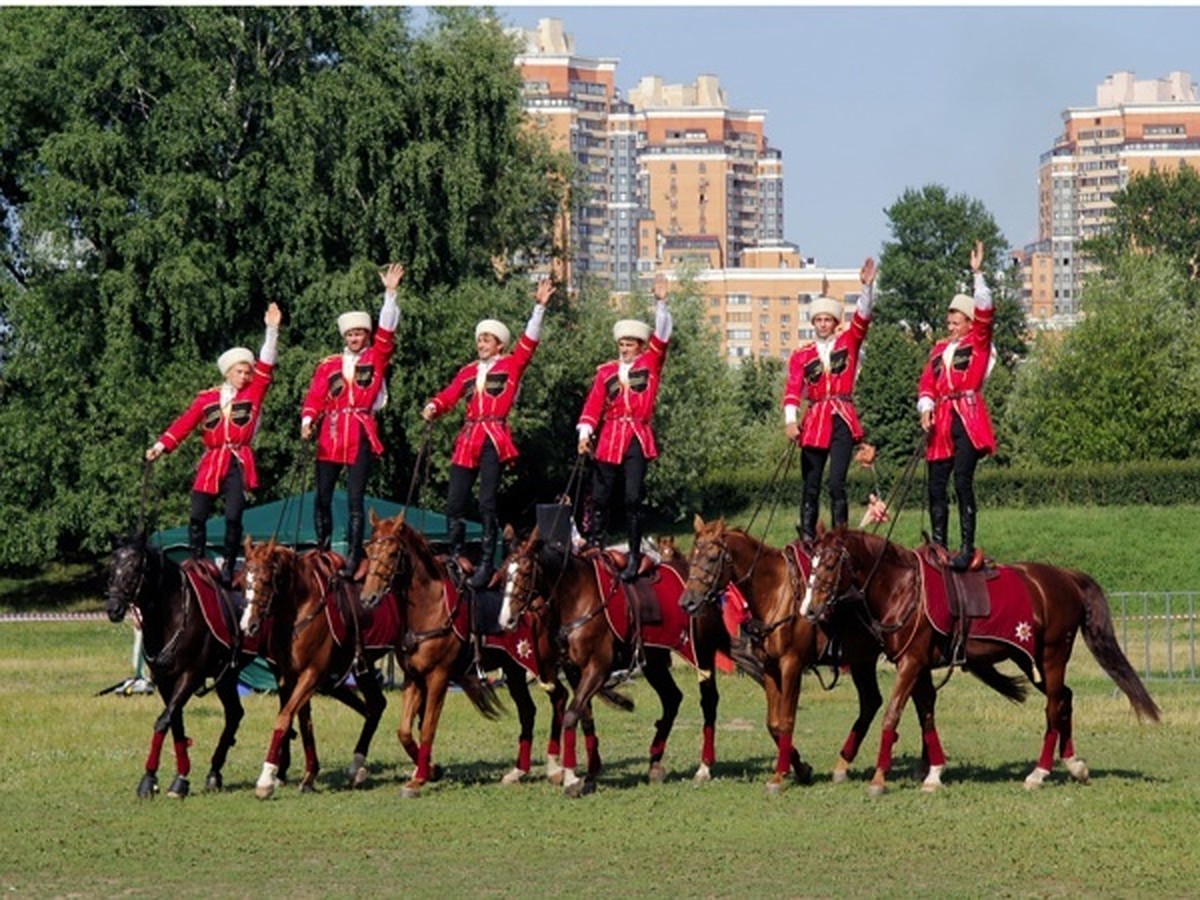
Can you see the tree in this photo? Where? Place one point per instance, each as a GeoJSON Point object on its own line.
{"type": "Point", "coordinates": [1122, 385]}
{"type": "Point", "coordinates": [165, 172]}
{"type": "Point", "coordinates": [927, 264]}
{"type": "Point", "coordinates": [1157, 213]}
{"type": "Point", "coordinates": [886, 392]}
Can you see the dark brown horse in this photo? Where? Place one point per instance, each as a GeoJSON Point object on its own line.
{"type": "Point", "coordinates": [182, 652]}
{"type": "Point", "coordinates": [580, 608]}
{"type": "Point", "coordinates": [288, 597]}
{"type": "Point", "coordinates": [432, 648]}
{"type": "Point", "coordinates": [865, 584]}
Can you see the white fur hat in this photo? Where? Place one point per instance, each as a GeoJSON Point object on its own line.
{"type": "Point", "coordinates": [349, 320]}
{"type": "Point", "coordinates": [631, 328]}
{"type": "Point", "coordinates": [825, 306]}
{"type": "Point", "coordinates": [964, 304]}
{"type": "Point", "coordinates": [496, 329]}
{"type": "Point", "coordinates": [232, 357]}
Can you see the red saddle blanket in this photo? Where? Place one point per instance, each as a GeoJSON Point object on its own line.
{"type": "Point", "coordinates": [216, 605]}
{"type": "Point", "coordinates": [675, 632]}
{"type": "Point", "coordinates": [380, 625]}
{"type": "Point", "coordinates": [1011, 618]}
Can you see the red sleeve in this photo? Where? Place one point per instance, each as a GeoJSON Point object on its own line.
{"type": "Point", "coordinates": [385, 345]}
{"type": "Point", "coordinates": [184, 425]}
{"type": "Point", "coordinates": [445, 399]}
{"type": "Point", "coordinates": [658, 352]}
{"type": "Point", "coordinates": [794, 390]}
{"type": "Point", "coordinates": [593, 406]}
{"type": "Point", "coordinates": [857, 332]}
{"type": "Point", "coordinates": [261, 382]}
{"type": "Point", "coordinates": [926, 387]}
{"type": "Point", "coordinates": [314, 401]}
{"type": "Point", "coordinates": [522, 354]}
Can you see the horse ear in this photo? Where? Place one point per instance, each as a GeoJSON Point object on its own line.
{"type": "Point", "coordinates": [375, 520]}
{"type": "Point", "coordinates": [400, 518]}
{"type": "Point", "coordinates": [820, 529]}
{"type": "Point", "coordinates": [246, 545]}
{"type": "Point", "coordinates": [509, 534]}
{"type": "Point", "coordinates": [697, 523]}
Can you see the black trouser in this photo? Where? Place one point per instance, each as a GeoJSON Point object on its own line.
{"type": "Point", "coordinates": [604, 478]}
{"type": "Point", "coordinates": [462, 479]}
{"type": "Point", "coordinates": [233, 489]}
{"type": "Point", "coordinates": [812, 467]}
{"type": "Point", "coordinates": [356, 489]}
{"type": "Point", "coordinates": [962, 465]}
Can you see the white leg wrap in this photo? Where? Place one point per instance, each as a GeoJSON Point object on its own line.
{"type": "Point", "coordinates": [703, 775]}
{"type": "Point", "coordinates": [569, 778]}
{"type": "Point", "coordinates": [1077, 768]}
{"type": "Point", "coordinates": [513, 776]}
{"type": "Point", "coordinates": [933, 780]}
{"type": "Point", "coordinates": [1036, 778]}
{"type": "Point", "coordinates": [553, 766]}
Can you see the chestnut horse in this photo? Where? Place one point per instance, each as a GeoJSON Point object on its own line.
{"type": "Point", "coordinates": [537, 573]}
{"type": "Point", "coordinates": [865, 584]}
{"type": "Point", "coordinates": [181, 651]}
{"type": "Point", "coordinates": [286, 594]}
{"type": "Point", "coordinates": [786, 644]}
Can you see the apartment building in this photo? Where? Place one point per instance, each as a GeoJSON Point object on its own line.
{"type": "Point", "coordinates": [1134, 127]}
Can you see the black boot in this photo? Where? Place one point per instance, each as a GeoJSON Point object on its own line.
{"type": "Point", "coordinates": [354, 547]}
{"type": "Point", "coordinates": [840, 515]}
{"type": "Point", "coordinates": [323, 526]}
{"type": "Point", "coordinates": [197, 538]}
{"type": "Point", "coordinates": [939, 517]}
{"type": "Point", "coordinates": [630, 572]}
{"type": "Point", "coordinates": [487, 559]}
{"type": "Point", "coordinates": [966, 523]}
{"type": "Point", "coordinates": [808, 519]}
{"type": "Point", "coordinates": [233, 544]}
{"type": "Point", "coordinates": [596, 528]}
{"type": "Point", "coordinates": [456, 532]}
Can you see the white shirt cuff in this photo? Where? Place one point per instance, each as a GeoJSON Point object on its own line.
{"type": "Point", "coordinates": [790, 413]}
{"type": "Point", "coordinates": [925, 404]}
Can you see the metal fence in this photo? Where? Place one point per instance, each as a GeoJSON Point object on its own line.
{"type": "Point", "coordinates": [1158, 631]}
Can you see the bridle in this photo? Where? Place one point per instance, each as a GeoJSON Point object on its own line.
{"type": "Point", "coordinates": [828, 580]}
{"type": "Point", "coordinates": [384, 564]}
{"type": "Point", "coordinates": [708, 573]}
{"type": "Point", "coordinates": [529, 600]}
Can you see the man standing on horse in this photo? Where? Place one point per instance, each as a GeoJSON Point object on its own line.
{"type": "Point", "coordinates": [490, 384]}
{"type": "Point", "coordinates": [953, 412]}
{"type": "Point", "coordinates": [347, 389]}
{"type": "Point", "coordinates": [823, 372]}
{"type": "Point", "coordinates": [227, 416]}
{"type": "Point", "coordinates": [621, 405]}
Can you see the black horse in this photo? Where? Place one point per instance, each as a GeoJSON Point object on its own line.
{"type": "Point", "coordinates": [182, 653]}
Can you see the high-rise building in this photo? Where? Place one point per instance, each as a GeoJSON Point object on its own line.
{"type": "Point", "coordinates": [1134, 127]}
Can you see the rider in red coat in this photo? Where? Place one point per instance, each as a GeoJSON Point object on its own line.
{"type": "Point", "coordinates": [953, 412]}
{"type": "Point", "coordinates": [490, 385]}
{"type": "Point", "coordinates": [823, 372]}
{"type": "Point", "coordinates": [347, 390]}
{"type": "Point", "coordinates": [227, 416]}
{"type": "Point", "coordinates": [621, 404]}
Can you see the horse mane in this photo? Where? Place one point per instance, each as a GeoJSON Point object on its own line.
{"type": "Point", "coordinates": [421, 550]}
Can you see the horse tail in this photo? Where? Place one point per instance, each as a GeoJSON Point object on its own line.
{"type": "Point", "coordinates": [616, 699]}
{"type": "Point", "coordinates": [1013, 688]}
{"type": "Point", "coordinates": [1101, 639]}
{"type": "Point", "coordinates": [482, 695]}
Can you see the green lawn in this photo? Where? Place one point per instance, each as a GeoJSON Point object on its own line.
{"type": "Point", "coordinates": [69, 764]}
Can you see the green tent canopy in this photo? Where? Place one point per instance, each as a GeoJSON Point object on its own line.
{"type": "Point", "coordinates": [291, 521]}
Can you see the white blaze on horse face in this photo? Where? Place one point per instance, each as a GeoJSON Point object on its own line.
{"type": "Point", "coordinates": [507, 619]}
{"type": "Point", "coordinates": [808, 586]}
{"type": "Point", "coordinates": [248, 576]}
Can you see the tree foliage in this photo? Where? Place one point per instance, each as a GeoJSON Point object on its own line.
{"type": "Point", "coordinates": [166, 172]}
{"type": "Point", "coordinates": [1120, 386]}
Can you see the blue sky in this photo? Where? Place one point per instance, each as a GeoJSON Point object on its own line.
{"type": "Point", "coordinates": [867, 101]}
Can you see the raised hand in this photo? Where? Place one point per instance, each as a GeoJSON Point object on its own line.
{"type": "Point", "coordinates": [392, 276]}
{"type": "Point", "coordinates": [977, 257]}
{"type": "Point", "coordinates": [545, 290]}
{"type": "Point", "coordinates": [274, 316]}
{"type": "Point", "coordinates": [660, 286]}
{"type": "Point", "coordinates": [866, 274]}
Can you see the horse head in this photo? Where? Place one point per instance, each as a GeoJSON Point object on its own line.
{"type": "Point", "coordinates": [830, 577]}
{"type": "Point", "coordinates": [126, 576]}
{"type": "Point", "coordinates": [521, 569]}
{"type": "Point", "coordinates": [261, 577]}
{"type": "Point", "coordinates": [710, 566]}
{"type": "Point", "coordinates": [388, 565]}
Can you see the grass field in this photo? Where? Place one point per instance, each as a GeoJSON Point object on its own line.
{"type": "Point", "coordinates": [70, 762]}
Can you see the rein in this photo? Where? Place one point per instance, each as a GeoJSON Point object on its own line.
{"type": "Point", "coordinates": [424, 455]}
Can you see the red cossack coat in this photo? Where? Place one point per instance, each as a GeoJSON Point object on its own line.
{"type": "Point", "coordinates": [622, 412]}
{"type": "Point", "coordinates": [487, 410]}
{"type": "Point", "coordinates": [339, 407]}
{"type": "Point", "coordinates": [226, 434]}
{"type": "Point", "coordinates": [958, 388]}
{"type": "Point", "coordinates": [829, 391]}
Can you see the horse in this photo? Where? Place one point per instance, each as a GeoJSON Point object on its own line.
{"type": "Point", "coordinates": [596, 645]}
{"type": "Point", "coordinates": [864, 583]}
{"type": "Point", "coordinates": [288, 595]}
{"type": "Point", "coordinates": [182, 651]}
{"type": "Point", "coordinates": [432, 640]}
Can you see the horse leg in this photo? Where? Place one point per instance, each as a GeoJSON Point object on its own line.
{"type": "Point", "coordinates": [176, 693]}
{"type": "Point", "coordinates": [932, 757]}
{"type": "Point", "coordinates": [783, 693]}
{"type": "Point", "coordinates": [1076, 767]}
{"type": "Point", "coordinates": [1058, 711]}
{"type": "Point", "coordinates": [371, 707]}
{"type": "Point", "coordinates": [591, 679]}
{"type": "Point", "coordinates": [907, 672]}
{"type": "Point", "coordinates": [709, 698]}
{"type": "Point", "coordinates": [436, 684]}
{"type": "Point", "coordinates": [591, 743]}
{"type": "Point", "coordinates": [148, 786]}
{"type": "Point", "coordinates": [231, 702]}
{"type": "Point", "coordinates": [312, 765]}
{"type": "Point", "coordinates": [866, 684]}
{"type": "Point", "coordinates": [299, 695]}
{"type": "Point", "coordinates": [558, 703]}
{"type": "Point", "coordinates": [518, 690]}
{"type": "Point", "coordinates": [658, 674]}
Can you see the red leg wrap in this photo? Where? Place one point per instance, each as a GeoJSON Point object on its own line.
{"type": "Point", "coordinates": [850, 748]}
{"type": "Point", "coordinates": [783, 761]}
{"type": "Point", "coordinates": [933, 748]}
{"type": "Point", "coordinates": [183, 765]}
{"type": "Point", "coordinates": [1068, 749]}
{"type": "Point", "coordinates": [155, 754]}
{"type": "Point", "coordinates": [1046, 760]}
{"type": "Point", "coordinates": [278, 736]}
{"type": "Point", "coordinates": [423, 756]}
{"type": "Point", "coordinates": [568, 759]}
{"type": "Point", "coordinates": [708, 749]}
{"type": "Point", "coordinates": [886, 741]}
{"type": "Point", "coordinates": [591, 744]}
{"type": "Point", "coordinates": [657, 749]}
{"type": "Point", "coordinates": [310, 759]}
{"type": "Point", "coordinates": [524, 751]}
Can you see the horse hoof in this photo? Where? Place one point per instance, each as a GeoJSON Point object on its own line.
{"type": "Point", "coordinates": [1036, 778]}
{"type": "Point", "coordinates": [436, 773]}
{"type": "Point", "coordinates": [555, 778]}
{"type": "Point", "coordinates": [573, 787]}
{"type": "Point", "coordinates": [875, 791]}
{"type": "Point", "coordinates": [264, 791]}
{"type": "Point", "coordinates": [411, 791]}
{"type": "Point", "coordinates": [148, 786]}
{"type": "Point", "coordinates": [357, 771]}
{"type": "Point", "coordinates": [1077, 769]}
{"type": "Point", "coordinates": [803, 774]}
{"type": "Point", "coordinates": [179, 788]}
{"type": "Point", "coordinates": [359, 777]}
{"type": "Point", "coordinates": [930, 787]}
{"type": "Point", "coordinates": [775, 787]}
{"type": "Point", "coordinates": [657, 773]}
{"type": "Point", "coordinates": [589, 788]}
{"type": "Point", "coordinates": [703, 775]}
{"type": "Point", "coordinates": [307, 787]}
{"type": "Point", "coordinates": [214, 782]}
{"type": "Point", "coordinates": [840, 776]}
{"type": "Point", "coordinates": [514, 776]}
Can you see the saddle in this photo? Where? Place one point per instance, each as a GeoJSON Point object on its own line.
{"type": "Point", "coordinates": [966, 592]}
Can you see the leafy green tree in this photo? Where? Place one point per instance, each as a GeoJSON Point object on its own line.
{"type": "Point", "coordinates": [1157, 213]}
{"type": "Point", "coordinates": [166, 172]}
{"type": "Point", "coordinates": [927, 263]}
{"type": "Point", "coordinates": [1120, 386]}
{"type": "Point", "coordinates": [760, 382]}
{"type": "Point", "coordinates": [886, 392]}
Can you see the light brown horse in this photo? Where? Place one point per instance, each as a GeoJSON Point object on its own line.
{"type": "Point", "coordinates": [431, 648]}
{"type": "Point", "coordinates": [863, 584]}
